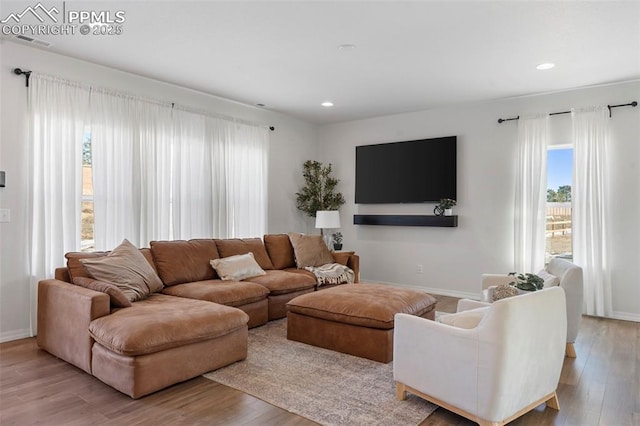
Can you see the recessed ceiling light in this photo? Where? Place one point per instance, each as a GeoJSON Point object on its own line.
{"type": "Point", "coordinates": [327, 104]}
{"type": "Point", "coordinates": [346, 46]}
{"type": "Point", "coordinates": [261, 105]}
{"type": "Point", "coordinates": [545, 66]}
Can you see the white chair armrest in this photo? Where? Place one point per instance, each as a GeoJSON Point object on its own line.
{"type": "Point", "coordinates": [422, 348]}
{"type": "Point", "coordinates": [496, 279]}
{"type": "Point", "coordinates": [468, 304]}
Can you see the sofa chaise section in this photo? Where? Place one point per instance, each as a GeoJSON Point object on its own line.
{"type": "Point", "coordinates": [164, 340]}
{"type": "Point", "coordinates": [153, 344]}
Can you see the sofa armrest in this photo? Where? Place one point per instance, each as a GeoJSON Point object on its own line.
{"type": "Point", "coordinates": [436, 359]}
{"type": "Point", "coordinates": [64, 313]}
{"type": "Point", "coordinates": [354, 263]}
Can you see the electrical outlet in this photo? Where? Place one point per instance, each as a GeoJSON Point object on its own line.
{"type": "Point", "coordinates": [419, 269]}
{"type": "Point", "coordinates": [5, 215]}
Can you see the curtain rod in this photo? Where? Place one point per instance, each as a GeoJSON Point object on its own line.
{"type": "Point", "coordinates": [631, 104]}
{"type": "Point", "coordinates": [27, 74]}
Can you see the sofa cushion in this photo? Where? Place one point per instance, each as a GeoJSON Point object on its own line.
{"type": "Point", "coordinates": [162, 322]}
{"type": "Point", "coordinates": [310, 250]}
{"type": "Point", "coordinates": [465, 319]}
{"type": "Point", "coordinates": [75, 268]}
{"type": "Point", "coordinates": [235, 246]}
{"type": "Point", "coordinates": [126, 267]}
{"type": "Point", "coordinates": [230, 293]}
{"type": "Point", "coordinates": [281, 282]}
{"type": "Point", "coordinates": [238, 267]}
{"type": "Point", "coordinates": [117, 298]}
{"type": "Point", "coordinates": [184, 261]}
{"type": "Point", "coordinates": [280, 251]}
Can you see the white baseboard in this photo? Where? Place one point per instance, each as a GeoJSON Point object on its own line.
{"type": "Point", "coordinates": [626, 316]}
{"type": "Point", "coordinates": [430, 290]}
{"type": "Point", "coordinates": [8, 336]}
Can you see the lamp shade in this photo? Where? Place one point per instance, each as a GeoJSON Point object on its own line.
{"type": "Point", "coordinates": [327, 219]}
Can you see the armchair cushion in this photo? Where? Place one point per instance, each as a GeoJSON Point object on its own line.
{"type": "Point", "coordinates": [465, 319]}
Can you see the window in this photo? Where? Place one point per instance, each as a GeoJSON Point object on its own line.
{"type": "Point", "coordinates": [87, 242]}
{"type": "Point", "coordinates": [559, 219]}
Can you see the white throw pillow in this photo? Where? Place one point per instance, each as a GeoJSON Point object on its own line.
{"type": "Point", "coordinates": [550, 280]}
{"type": "Point", "coordinates": [465, 319]}
{"type": "Point", "coordinates": [238, 267]}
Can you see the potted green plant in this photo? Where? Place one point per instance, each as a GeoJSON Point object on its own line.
{"type": "Point", "coordinates": [444, 207]}
{"type": "Point", "coordinates": [337, 240]}
{"type": "Point", "coordinates": [319, 191]}
{"type": "Point", "coordinates": [527, 282]}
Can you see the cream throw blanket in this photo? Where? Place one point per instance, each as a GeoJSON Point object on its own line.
{"type": "Point", "coordinates": [332, 273]}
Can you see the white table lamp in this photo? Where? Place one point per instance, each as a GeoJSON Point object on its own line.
{"type": "Point", "coordinates": [327, 219]}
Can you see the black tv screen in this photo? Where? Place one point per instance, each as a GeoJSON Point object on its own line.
{"type": "Point", "coordinates": [406, 172]}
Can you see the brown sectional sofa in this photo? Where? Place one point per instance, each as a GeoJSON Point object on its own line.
{"type": "Point", "coordinates": [197, 323]}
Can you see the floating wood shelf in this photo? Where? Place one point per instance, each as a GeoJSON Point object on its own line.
{"type": "Point", "coordinates": [405, 220]}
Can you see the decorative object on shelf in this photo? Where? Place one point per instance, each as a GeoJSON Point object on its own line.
{"type": "Point", "coordinates": [319, 191]}
{"type": "Point", "coordinates": [327, 219]}
{"type": "Point", "coordinates": [445, 207]}
{"type": "Point", "coordinates": [527, 282]}
{"type": "Point", "coordinates": [337, 240]}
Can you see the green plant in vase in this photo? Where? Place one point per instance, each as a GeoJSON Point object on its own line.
{"type": "Point", "coordinates": [527, 282]}
{"type": "Point", "coordinates": [337, 240]}
{"type": "Point", "coordinates": [319, 191]}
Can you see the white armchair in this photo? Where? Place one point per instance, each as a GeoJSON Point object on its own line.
{"type": "Point", "coordinates": [570, 279]}
{"type": "Point", "coordinates": [503, 367]}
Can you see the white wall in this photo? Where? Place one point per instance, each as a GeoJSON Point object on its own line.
{"type": "Point", "coordinates": [293, 142]}
{"type": "Point", "coordinates": [454, 258]}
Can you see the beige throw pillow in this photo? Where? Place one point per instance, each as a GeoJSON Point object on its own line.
{"type": "Point", "coordinates": [238, 267]}
{"type": "Point", "coordinates": [465, 319]}
{"type": "Point", "coordinates": [117, 298]}
{"type": "Point", "coordinates": [310, 250]}
{"type": "Point", "coordinates": [498, 292]}
{"type": "Point", "coordinates": [126, 268]}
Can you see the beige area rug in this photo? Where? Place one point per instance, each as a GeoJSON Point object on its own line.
{"type": "Point", "coordinates": [327, 387]}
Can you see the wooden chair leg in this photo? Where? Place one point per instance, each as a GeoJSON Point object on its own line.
{"type": "Point", "coordinates": [401, 391]}
{"type": "Point", "coordinates": [570, 350]}
{"type": "Point", "coordinates": [553, 402]}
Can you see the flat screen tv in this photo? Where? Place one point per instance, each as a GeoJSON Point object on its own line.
{"type": "Point", "coordinates": [406, 172]}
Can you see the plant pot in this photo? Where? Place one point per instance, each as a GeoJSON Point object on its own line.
{"type": "Point", "coordinates": [448, 212]}
{"type": "Point", "coordinates": [337, 246]}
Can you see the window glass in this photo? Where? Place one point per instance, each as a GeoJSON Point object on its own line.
{"type": "Point", "coordinates": [559, 220]}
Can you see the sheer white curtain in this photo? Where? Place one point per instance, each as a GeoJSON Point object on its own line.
{"type": "Point", "coordinates": [531, 191]}
{"type": "Point", "coordinates": [192, 204]}
{"type": "Point", "coordinates": [219, 177]}
{"type": "Point", "coordinates": [244, 162]}
{"type": "Point", "coordinates": [131, 157]}
{"type": "Point", "coordinates": [589, 199]}
{"type": "Point", "coordinates": [57, 114]}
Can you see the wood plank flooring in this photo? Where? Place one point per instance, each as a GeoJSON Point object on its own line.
{"type": "Point", "coordinates": [599, 387]}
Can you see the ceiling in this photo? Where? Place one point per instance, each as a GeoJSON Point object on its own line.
{"type": "Point", "coordinates": [408, 56]}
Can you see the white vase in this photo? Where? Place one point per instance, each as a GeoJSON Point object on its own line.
{"type": "Point", "coordinates": [448, 212]}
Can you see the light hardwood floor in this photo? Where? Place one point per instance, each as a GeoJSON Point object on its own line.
{"type": "Point", "coordinates": [599, 387]}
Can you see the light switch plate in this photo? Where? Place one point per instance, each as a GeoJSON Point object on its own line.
{"type": "Point", "coordinates": [5, 215]}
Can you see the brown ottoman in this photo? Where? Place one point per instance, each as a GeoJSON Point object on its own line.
{"type": "Point", "coordinates": [356, 319]}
